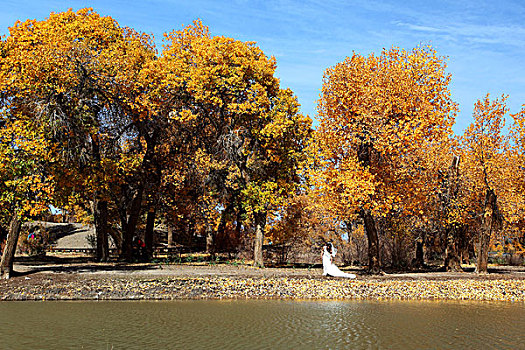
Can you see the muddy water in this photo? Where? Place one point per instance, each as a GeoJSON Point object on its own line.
{"type": "Point", "coordinates": [261, 325]}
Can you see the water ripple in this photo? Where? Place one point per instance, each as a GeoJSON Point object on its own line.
{"type": "Point", "coordinates": [261, 325]}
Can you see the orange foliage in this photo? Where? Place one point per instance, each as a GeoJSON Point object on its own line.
{"type": "Point", "coordinates": [377, 116]}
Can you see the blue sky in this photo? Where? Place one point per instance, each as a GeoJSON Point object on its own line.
{"type": "Point", "coordinates": [483, 40]}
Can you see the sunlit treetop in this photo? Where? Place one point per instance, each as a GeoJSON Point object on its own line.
{"type": "Point", "coordinates": [377, 114]}
{"type": "Point", "coordinates": [72, 53]}
{"type": "Point", "coordinates": [393, 101]}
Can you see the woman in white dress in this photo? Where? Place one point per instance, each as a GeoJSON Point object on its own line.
{"type": "Point", "coordinates": [329, 268]}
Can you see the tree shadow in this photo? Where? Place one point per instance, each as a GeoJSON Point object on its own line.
{"type": "Point", "coordinates": [57, 230]}
{"type": "Point", "coordinates": [75, 265]}
{"type": "Point", "coordinates": [52, 260]}
{"type": "Point", "coordinates": [64, 231]}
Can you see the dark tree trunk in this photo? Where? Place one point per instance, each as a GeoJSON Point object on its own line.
{"type": "Point", "coordinates": [373, 242]}
{"type": "Point", "coordinates": [364, 154]}
{"type": "Point", "coordinates": [3, 234]}
{"type": "Point", "coordinates": [452, 258]}
{"type": "Point", "coordinates": [153, 174]}
{"type": "Point", "coordinates": [238, 223]}
{"type": "Point", "coordinates": [419, 260]}
{"type": "Point", "coordinates": [464, 245]}
{"type": "Point", "coordinates": [222, 239]}
{"type": "Point", "coordinates": [101, 229]}
{"type": "Point", "coordinates": [8, 255]}
{"type": "Point", "coordinates": [486, 230]}
{"type": "Point", "coordinates": [148, 236]}
{"type": "Point", "coordinates": [260, 225]}
{"type": "Point", "coordinates": [100, 211]}
{"type": "Point", "coordinates": [148, 182]}
{"type": "Point", "coordinates": [130, 226]}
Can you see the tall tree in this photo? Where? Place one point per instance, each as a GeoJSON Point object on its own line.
{"type": "Point", "coordinates": [224, 96]}
{"type": "Point", "coordinates": [77, 72]}
{"type": "Point", "coordinates": [376, 113]}
{"type": "Point", "coordinates": [25, 186]}
{"type": "Point", "coordinates": [517, 159]}
{"type": "Point", "coordinates": [489, 170]}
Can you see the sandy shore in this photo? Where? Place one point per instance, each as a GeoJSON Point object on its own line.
{"type": "Point", "coordinates": [89, 281]}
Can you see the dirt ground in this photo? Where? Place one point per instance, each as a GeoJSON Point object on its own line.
{"type": "Point", "coordinates": [78, 278]}
{"type": "Point", "coordinates": [74, 265]}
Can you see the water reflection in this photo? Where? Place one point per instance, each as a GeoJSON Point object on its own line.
{"type": "Point", "coordinates": [261, 325]}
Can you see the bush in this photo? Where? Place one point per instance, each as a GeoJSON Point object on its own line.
{"type": "Point", "coordinates": [34, 240]}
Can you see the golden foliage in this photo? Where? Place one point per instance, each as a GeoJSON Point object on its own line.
{"type": "Point", "coordinates": [377, 115]}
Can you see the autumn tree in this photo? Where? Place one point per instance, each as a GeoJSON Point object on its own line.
{"type": "Point", "coordinates": [25, 186]}
{"type": "Point", "coordinates": [517, 159]}
{"type": "Point", "coordinates": [489, 170]}
{"type": "Point", "coordinates": [376, 114]}
{"type": "Point", "coordinates": [223, 95]}
{"type": "Point", "coordinates": [449, 198]}
{"type": "Point", "coordinates": [447, 210]}
{"type": "Point", "coordinates": [77, 73]}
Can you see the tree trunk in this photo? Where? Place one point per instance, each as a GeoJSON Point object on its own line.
{"type": "Point", "coordinates": [8, 256]}
{"type": "Point", "coordinates": [452, 259]}
{"type": "Point", "coordinates": [260, 225]}
{"type": "Point", "coordinates": [153, 174]}
{"type": "Point", "coordinates": [101, 229]}
{"type": "Point", "coordinates": [148, 182]}
{"type": "Point", "coordinates": [238, 223]}
{"type": "Point", "coordinates": [130, 226]}
{"type": "Point", "coordinates": [117, 239]}
{"type": "Point", "coordinates": [171, 242]}
{"type": "Point", "coordinates": [221, 241]}
{"type": "Point", "coordinates": [148, 235]}
{"type": "Point", "coordinates": [396, 259]}
{"type": "Point", "coordinates": [463, 244]}
{"type": "Point", "coordinates": [373, 242]}
{"type": "Point", "coordinates": [210, 239]}
{"type": "Point", "coordinates": [364, 154]}
{"type": "Point", "coordinates": [486, 230]}
{"type": "Point", "coordinates": [419, 260]}
{"type": "Point", "coordinates": [100, 210]}
{"type": "Point", "coordinates": [482, 259]}
{"type": "Point", "coordinates": [190, 231]}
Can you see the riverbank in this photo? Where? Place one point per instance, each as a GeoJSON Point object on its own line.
{"type": "Point", "coordinates": [171, 282]}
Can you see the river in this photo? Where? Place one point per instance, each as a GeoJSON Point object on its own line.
{"type": "Point", "coordinates": [262, 324]}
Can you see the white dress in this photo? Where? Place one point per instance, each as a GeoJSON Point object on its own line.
{"type": "Point", "coordinates": [329, 268]}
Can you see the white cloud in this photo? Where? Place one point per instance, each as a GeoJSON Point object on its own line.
{"type": "Point", "coordinates": [513, 35]}
{"type": "Point", "coordinates": [419, 28]}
